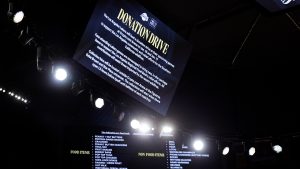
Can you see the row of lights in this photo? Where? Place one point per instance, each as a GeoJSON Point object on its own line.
{"type": "Point", "coordinates": [145, 127]}
{"type": "Point", "coordinates": [251, 151]}
{"type": "Point", "coordinates": [16, 96]}
{"type": "Point", "coordinates": [2, 90]}
{"type": "Point", "coordinates": [166, 130]}
{"type": "Point", "coordinates": [276, 148]}
{"type": "Point", "coordinates": [17, 16]}
{"type": "Point", "coordinates": [198, 144]}
{"type": "Point", "coordinates": [59, 72]}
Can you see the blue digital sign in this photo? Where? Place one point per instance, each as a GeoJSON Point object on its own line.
{"type": "Point", "coordinates": [134, 51]}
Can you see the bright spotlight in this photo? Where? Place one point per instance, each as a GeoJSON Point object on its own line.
{"type": "Point", "coordinates": [25, 101]}
{"type": "Point", "coordinates": [277, 148]}
{"type": "Point", "coordinates": [14, 12]}
{"type": "Point", "coordinates": [144, 128]}
{"type": "Point", "coordinates": [18, 17]}
{"type": "Point", "coordinates": [135, 124]}
{"type": "Point", "coordinates": [167, 129]}
{"type": "Point", "coordinates": [0, 89]}
{"type": "Point", "coordinates": [60, 74]}
{"type": "Point", "coordinates": [99, 103]}
{"type": "Point", "coordinates": [225, 151]}
{"type": "Point", "coordinates": [198, 145]}
{"type": "Point", "coordinates": [251, 151]}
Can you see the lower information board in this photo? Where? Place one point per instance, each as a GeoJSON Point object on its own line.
{"type": "Point", "coordinates": [108, 149]}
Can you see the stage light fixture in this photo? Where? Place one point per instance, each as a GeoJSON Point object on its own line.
{"type": "Point", "coordinates": [198, 145]}
{"type": "Point", "coordinates": [225, 151]}
{"type": "Point", "coordinates": [135, 124]}
{"type": "Point", "coordinates": [277, 148]}
{"type": "Point", "coordinates": [60, 74]}
{"type": "Point", "coordinates": [14, 13]}
{"type": "Point", "coordinates": [78, 87]}
{"type": "Point", "coordinates": [121, 116]}
{"type": "Point", "coordinates": [99, 103]}
{"type": "Point", "coordinates": [251, 151]}
{"type": "Point", "coordinates": [25, 37]}
{"type": "Point", "coordinates": [224, 146]}
{"type": "Point", "coordinates": [18, 17]}
{"type": "Point", "coordinates": [118, 112]}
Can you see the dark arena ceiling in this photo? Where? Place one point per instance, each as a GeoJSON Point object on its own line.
{"type": "Point", "coordinates": [241, 80]}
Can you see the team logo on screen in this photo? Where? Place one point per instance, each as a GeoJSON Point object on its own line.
{"type": "Point", "coordinates": [144, 17]}
{"type": "Point", "coordinates": [152, 22]}
{"type": "Point", "coordinates": [286, 1]}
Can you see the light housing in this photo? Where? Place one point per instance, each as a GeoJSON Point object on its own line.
{"type": "Point", "coordinates": [15, 13]}
{"type": "Point", "coordinates": [251, 151]}
{"type": "Point", "coordinates": [225, 150]}
{"type": "Point", "coordinates": [18, 17]}
{"type": "Point", "coordinates": [277, 148]}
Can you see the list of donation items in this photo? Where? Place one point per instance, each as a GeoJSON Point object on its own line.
{"type": "Point", "coordinates": [179, 159]}
{"type": "Point", "coordinates": [104, 145]}
{"type": "Point", "coordinates": [125, 63]}
{"type": "Point", "coordinates": [115, 150]}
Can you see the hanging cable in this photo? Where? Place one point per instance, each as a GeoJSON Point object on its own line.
{"type": "Point", "coordinates": [246, 38]}
{"type": "Point", "coordinates": [292, 20]}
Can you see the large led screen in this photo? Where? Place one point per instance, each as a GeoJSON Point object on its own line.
{"type": "Point", "coordinates": [133, 51]}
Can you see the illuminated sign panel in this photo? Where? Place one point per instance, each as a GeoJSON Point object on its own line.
{"type": "Point", "coordinates": [128, 150]}
{"type": "Point", "coordinates": [134, 51]}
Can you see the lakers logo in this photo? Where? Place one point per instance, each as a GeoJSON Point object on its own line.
{"type": "Point", "coordinates": [286, 1]}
